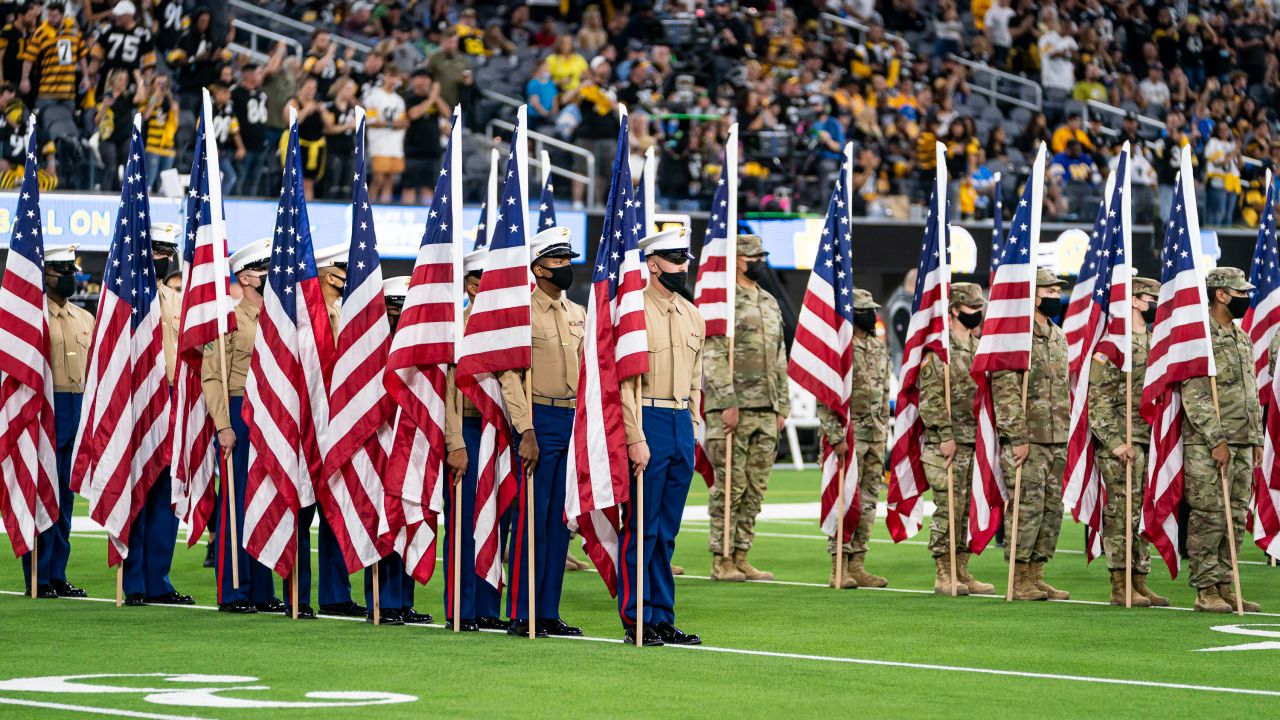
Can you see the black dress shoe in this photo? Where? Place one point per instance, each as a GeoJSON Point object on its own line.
{"type": "Point", "coordinates": [386, 617]}
{"type": "Point", "coordinates": [520, 628]}
{"type": "Point", "coordinates": [346, 609]}
{"type": "Point", "coordinates": [465, 626]}
{"type": "Point", "coordinates": [491, 623]}
{"type": "Point", "coordinates": [66, 589]}
{"type": "Point", "coordinates": [413, 617]}
{"type": "Point", "coordinates": [239, 607]}
{"type": "Point", "coordinates": [209, 555]}
{"type": "Point", "coordinates": [173, 597]}
{"type": "Point", "coordinates": [557, 627]}
{"type": "Point", "coordinates": [271, 606]}
{"type": "Point", "coordinates": [44, 592]}
{"type": "Point", "coordinates": [135, 599]}
{"type": "Point", "coordinates": [651, 638]}
{"type": "Point", "coordinates": [673, 635]}
{"type": "Point", "coordinates": [304, 612]}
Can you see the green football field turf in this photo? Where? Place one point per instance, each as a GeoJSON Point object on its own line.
{"type": "Point", "coordinates": [791, 648]}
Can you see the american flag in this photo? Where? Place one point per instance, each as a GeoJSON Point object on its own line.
{"type": "Point", "coordinates": [598, 479]}
{"type": "Point", "coordinates": [1264, 516]}
{"type": "Point", "coordinates": [207, 314]}
{"type": "Point", "coordinates": [822, 354]}
{"type": "Point", "coordinates": [425, 344]}
{"type": "Point", "coordinates": [1262, 319]}
{"type": "Point", "coordinates": [714, 289]}
{"type": "Point", "coordinates": [547, 203]}
{"type": "Point", "coordinates": [286, 398]}
{"type": "Point", "coordinates": [927, 331]}
{"type": "Point", "coordinates": [1005, 345]}
{"type": "Point", "coordinates": [1100, 310]}
{"type": "Point", "coordinates": [360, 410]}
{"type": "Point", "coordinates": [997, 225]}
{"type": "Point", "coordinates": [1181, 349]}
{"type": "Point", "coordinates": [124, 418]}
{"type": "Point", "coordinates": [497, 338]}
{"type": "Point", "coordinates": [28, 463]}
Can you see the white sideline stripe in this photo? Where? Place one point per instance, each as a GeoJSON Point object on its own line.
{"type": "Point", "coordinates": [752, 653]}
{"type": "Point", "coordinates": [95, 710]}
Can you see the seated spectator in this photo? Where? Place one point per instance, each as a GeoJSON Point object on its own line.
{"type": "Point", "coordinates": [543, 97]}
{"type": "Point", "coordinates": [1074, 172]}
{"type": "Point", "coordinates": [1072, 130]}
{"type": "Point", "coordinates": [1091, 87]}
{"type": "Point", "coordinates": [566, 66]}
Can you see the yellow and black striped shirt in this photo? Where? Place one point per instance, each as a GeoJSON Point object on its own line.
{"type": "Point", "coordinates": [161, 124]}
{"type": "Point", "coordinates": [56, 52]}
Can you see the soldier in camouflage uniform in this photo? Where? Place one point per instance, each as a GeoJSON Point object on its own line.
{"type": "Point", "coordinates": [950, 434]}
{"type": "Point", "coordinates": [869, 414]}
{"type": "Point", "coordinates": [1036, 440]}
{"type": "Point", "coordinates": [1108, 397]}
{"type": "Point", "coordinates": [754, 403]}
{"type": "Point", "coordinates": [1228, 436]}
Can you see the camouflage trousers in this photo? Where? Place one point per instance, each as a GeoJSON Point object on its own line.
{"type": "Point", "coordinates": [755, 447]}
{"type": "Point", "coordinates": [870, 457]}
{"type": "Point", "coordinates": [935, 471]}
{"type": "Point", "coordinates": [1209, 556]}
{"type": "Point", "coordinates": [1113, 476]}
{"type": "Point", "coordinates": [1040, 508]}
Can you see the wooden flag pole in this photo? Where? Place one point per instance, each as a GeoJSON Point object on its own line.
{"type": "Point", "coordinates": [951, 484]}
{"type": "Point", "coordinates": [456, 484]}
{"type": "Point", "coordinates": [293, 576]}
{"type": "Point", "coordinates": [1012, 539]}
{"type": "Point", "coordinates": [1128, 490]}
{"type": "Point", "coordinates": [639, 501]}
{"type": "Point", "coordinates": [531, 595]}
{"type": "Point", "coordinates": [725, 550]}
{"type": "Point", "coordinates": [377, 600]}
{"type": "Point", "coordinates": [35, 563]}
{"type": "Point", "coordinates": [120, 584]}
{"type": "Point", "coordinates": [1226, 499]}
{"type": "Point", "coordinates": [229, 482]}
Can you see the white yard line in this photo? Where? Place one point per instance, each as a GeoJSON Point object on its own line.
{"type": "Point", "coordinates": [94, 710]}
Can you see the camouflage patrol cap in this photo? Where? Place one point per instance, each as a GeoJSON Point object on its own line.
{"type": "Point", "coordinates": [1227, 277]}
{"type": "Point", "coordinates": [862, 300]}
{"type": "Point", "coordinates": [1146, 286]}
{"type": "Point", "coordinates": [967, 293]}
{"type": "Point", "coordinates": [1046, 278]}
{"type": "Point", "coordinates": [750, 246]}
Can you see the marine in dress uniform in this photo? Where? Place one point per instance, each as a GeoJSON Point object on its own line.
{"type": "Point", "coordinates": [661, 421]}
{"type": "Point", "coordinates": [70, 334]}
{"type": "Point", "coordinates": [1229, 436]}
{"type": "Point", "coordinates": [557, 330]}
{"type": "Point", "coordinates": [754, 402]}
{"type": "Point", "coordinates": [249, 266]}
{"type": "Point", "coordinates": [154, 534]}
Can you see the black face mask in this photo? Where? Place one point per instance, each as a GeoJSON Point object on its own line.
{"type": "Point", "coordinates": [561, 277]}
{"type": "Point", "coordinates": [970, 320]}
{"type": "Point", "coordinates": [865, 320]}
{"type": "Point", "coordinates": [162, 267]}
{"type": "Point", "coordinates": [65, 286]}
{"type": "Point", "coordinates": [1238, 306]}
{"type": "Point", "coordinates": [755, 269]}
{"type": "Point", "coordinates": [674, 281]}
{"type": "Point", "coordinates": [1149, 315]}
{"type": "Point", "coordinates": [1050, 306]}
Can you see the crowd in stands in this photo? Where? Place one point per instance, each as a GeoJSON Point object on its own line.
{"type": "Point", "coordinates": [800, 78]}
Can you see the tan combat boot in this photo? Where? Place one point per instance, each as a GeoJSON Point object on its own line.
{"type": "Point", "coordinates": [1228, 596]}
{"type": "Point", "coordinates": [1023, 588]}
{"type": "Point", "coordinates": [846, 581]}
{"type": "Point", "coordinates": [1035, 571]}
{"type": "Point", "coordinates": [744, 567]}
{"type": "Point", "coordinates": [1117, 591]}
{"type": "Point", "coordinates": [942, 579]}
{"type": "Point", "coordinates": [722, 568]}
{"type": "Point", "coordinates": [1140, 586]}
{"type": "Point", "coordinates": [859, 572]}
{"type": "Point", "coordinates": [676, 569]}
{"type": "Point", "coordinates": [976, 586]}
{"type": "Point", "coordinates": [1208, 600]}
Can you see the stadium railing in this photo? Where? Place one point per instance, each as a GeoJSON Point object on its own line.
{"type": "Point", "coordinates": [260, 40]}
{"type": "Point", "coordinates": [983, 73]}
{"type": "Point", "coordinates": [826, 21]}
{"type": "Point", "coordinates": [300, 28]}
{"type": "Point", "coordinates": [539, 141]}
{"type": "Point", "coordinates": [1103, 108]}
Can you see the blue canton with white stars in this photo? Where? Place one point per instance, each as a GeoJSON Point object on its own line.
{"type": "Point", "coordinates": [717, 222]}
{"type": "Point", "coordinates": [27, 233]}
{"type": "Point", "coordinates": [622, 226]}
{"type": "Point", "coordinates": [1176, 257]}
{"type": "Point", "coordinates": [439, 233]}
{"type": "Point", "coordinates": [198, 211]}
{"type": "Point", "coordinates": [129, 272]}
{"type": "Point", "coordinates": [547, 206]}
{"type": "Point", "coordinates": [1017, 249]}
{"type": "Point", "coordinates": [834, 262]}
{"type": "Point", "coordinates": [932, 248]}
{"type": "Point", "coordinates": [1110, 249]}
{"type": "Point", "coordinates": [1263, 274]}
{"type": "Point", "coordinates": [292, 254]}
{"type": "Point", "coordinates": [510, 231]}
{"type": "Point", "coordinates": [362, 257]}
{"type": "Point", "coordinates": [997, 225]}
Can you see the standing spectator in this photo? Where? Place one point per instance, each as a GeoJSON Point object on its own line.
{"type": "Point", "coordinates": [279, 82]}
{"type": "Point", "coordinates": [159, 124]}
{"type": "Point", "coordinates": [948, 33]}
{"type": "Point", "coordinates": [543, 98]}
{"type": "Point", "coordinates": [386, 125]}
{"type": "Point", "coordinates": [340, 138]}
{"type": "Point", "coordinates": [57, 53]}
{"type": "Point", "coordinates": [1166, 158]}
{"type": "Point", "coordinates": [1250, 42]}
{"type": "Point", "coordinates": [1194, 40]}
{"type": "Point", "coordinates": [167, 20]}
{"type": "Point", "coordinates": [196, 59]}
{"type": "Point", "coordinates": [519, 29]}
{"type": "Point", "coordinates": [1222, 176]}
{"type": "Point", "coordinates": [115, 125]}
{"type": "Point", "coordinates": [370, 75]}
{"type": "Point", "coordinates": [226, 133]}
{"type": "Point", "coordinates": [592, 36]}
{"type": "Point", "coordinates": [1153, 88]}
{"type": "Point", "coordinates": [566, 66]}
{"type": "Point", "coordinates": [598, 130]}
{"type": "Point", "coordinates": [1057, 64]}
{"type": "Point", "coordinates": [422, 150]}
{"type": "Point", "coordinates": [311, 140]}
{"type": "Point", "coordinates": [123, 44]}
{"type": "Point", "coordinates": [322, 62]}
{"type": "Point", "coordinates": [997, 20]}
{"type": "Point", "coordinates": [249, 101]}
{"type": "Point", "coordinates": [447, 66]}
{"type": "Point", "coordinates": [13, 42]}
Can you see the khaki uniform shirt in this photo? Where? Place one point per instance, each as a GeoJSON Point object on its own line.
{"type": "Point", "coordinates": [557, 329]}
{"type": "Point", "coordinates": [1241, 422]}
{"type": "Point", "coordinates": [960, 425]}
{"type": "Point", "coordinates": [70, 335]}
{"type": "Point", "coordinates": [239, 349]}
{"type": "Point", "coordinates": [1107, 399]}
{"type": "Point", "coordinates": [675, 330]}
{"type": "Point", "coordinates": [759, 380]}
{"type": "Point", "coordinates": [170, 322]}
{"type": "Point", "coordinates": [1048, 415]}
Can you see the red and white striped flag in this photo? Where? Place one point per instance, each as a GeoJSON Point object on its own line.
{"type": "Point", "coordinates": [124, 417]}
{"type": "Point", "coordinates": [822, 354]}
{"type": "Point", "coordinates": [1264, 515]}
{"type": "Point", "coordinates": [927, 331]}
{"type": "Point", "coordinates": [1005, 345]}
{"type": "Point", "coordinates": [1099, 314]}
{"type": "Point", "coordinates": [207, 314]}
{"type": "Point", "coordinates": [286, 397]}
{"type": "Point", "coordinates": [497, 338]}
{"type": "Point", "coordinates": [28, 462]}
{"type": "Point", "coordinates": [425, 344]}
{"type": "Point", "coordinates": [360, 410]}
{"type": "Point", "coordinates": [598, 479]}
{"type": "Point", "coordinates": [1181, 349]}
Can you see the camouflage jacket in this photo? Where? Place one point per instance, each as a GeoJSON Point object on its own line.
{"type": "Point", "coordinates": [1108, 397]}
{"type": "Point", "coordinates": [960, 424]}
{"type": "Point", "coordinates": [1045, 421]}
{"type": "Point", "coordinates": [759, 380]}
{"type": "Point", "coordinates": [1241, 422]}
{"type": "Point", "coordinates": [869, 404]}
